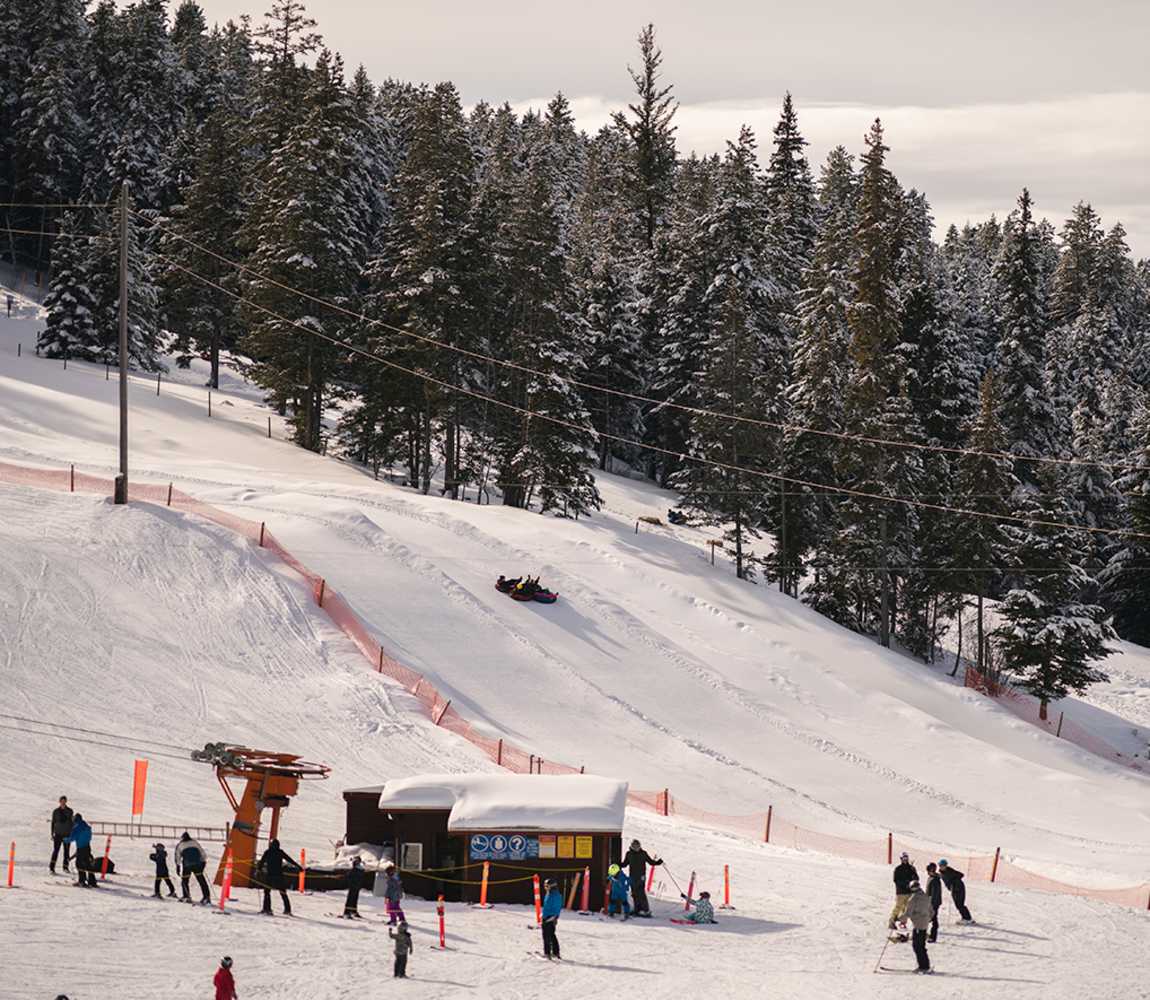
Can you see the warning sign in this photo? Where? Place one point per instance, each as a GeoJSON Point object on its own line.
{"type": "Point", "coordinates": [547, 845]}
{"type": "Point", "coordinates": [566, 846]}
{"type": "Point", "coordinates": [584, 847]}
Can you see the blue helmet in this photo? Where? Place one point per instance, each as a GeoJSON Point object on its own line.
{"type": "Point", "coordinates": [943, 863]}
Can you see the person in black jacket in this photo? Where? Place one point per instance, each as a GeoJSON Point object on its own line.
{"type": "Point", "coordinates": [271, 874]}
{"type": "Point", "coordinates": [159, 857]}
{"type": "Point", "coordinates": [934, 894]}
{"type": "Point", "coordinates": [904, 874]}
{"type": "Point", "coordinates": [636, 863]}
{"type": "Point", "coordinates": [952, 879]}
{"type": "Point", "coordinates": [191, 859]}
{"type": "Point", "coordinates": [61, 827]}
{"type": "Point", "coordinates": [355, 879]}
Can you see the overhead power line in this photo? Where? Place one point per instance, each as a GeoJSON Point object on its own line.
{"type": "Point", "coordinates": [774, 476]}
{"type": "Point", "coordinates": [637, 397]}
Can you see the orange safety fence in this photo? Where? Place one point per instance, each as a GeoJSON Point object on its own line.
{"type": "Point", "coordinates": [763, 827]}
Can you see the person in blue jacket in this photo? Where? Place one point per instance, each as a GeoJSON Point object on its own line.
{"type": "Point", "coordinates": [620, 885]}
{"type": "Point", "coordinates": [81, 838]}
{"type": "Point", "coordinates": [552, 908]}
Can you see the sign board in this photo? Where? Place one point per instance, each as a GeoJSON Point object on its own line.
{"type": "Point", "coordinates": [566, 846]}
{"type": "Point", "coordinates": [547, 845]}
{"type": "Point", "coordinates": [503, 847]}
{"type": "Point", "coordinates": [584, 847]}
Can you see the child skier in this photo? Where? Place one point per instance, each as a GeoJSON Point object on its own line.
{"type": "Point", "coordinates": [552, 908]}
{"type": "Point", "coordinates": [159, 856]}
{"type": "Point", "coordinates": [620, 885]}
{"type": "Point", "coordinates": [392, 895]}
{"type": "Point", "coordinates": [704, 912]}
{"type": "Point", "coordinates": [224, 982]}
{"type": "Point", "coordinates": [402, 939]}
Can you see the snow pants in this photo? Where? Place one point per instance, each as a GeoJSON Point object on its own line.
{"type": "Point", "coordinates": [394, 912]}
{"type": "Point", "coordinates": [56, 842]}
{"type": "Point", "coordinates": [639, 895]}
{"type": "Point", "coordinates": [918, 942]}
{"type": "Point", "coordinates": [958, 894]}
{"type": "Point", "coordinates": [166, 879]}
{"type": "Point", "coordinates": [84, 865]}
{"type": "Point", "coordinates": [619, 904]}
{"type": "Point", "coordinates": [186, 877]}
{"type": "Point", "coordinates": [899, 911]}
{"type": "Point", "coordinates": [351, 904]}
{"type": "Point", "coordinates": [550, 941]}
{"type": "Point", "coordinates": [401, 966]}
{"type": "Point", "coordinates": [933, 936]}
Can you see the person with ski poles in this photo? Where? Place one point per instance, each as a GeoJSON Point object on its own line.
{"type": "Point", "coordinates": [552, 909]}
{"type": "Point", "coordinates": [704, 912]}
{"type": "Point", "coordinates": [159, 857]}
{"type": "Point", "coordinates": [636, 862]}
{"type": "Point", "coordinates": [934, 894]}
{"type": "Point", "coordinates": [619, 886]}
{"type": "Point", "coordinates": [270, 871]}
{"type": "Point", "coordinates": [952, 878]}
{"type": "Point", "coordinates": [355, 879]}
{"type": "Point", "coordinates": [403, 948]}
{"type": "Point", "coordinates": [904, 874]}
{"type": "Point", "coordinates": [920, 913]}
{"type": "Point", "coordinates": [224, 982]}
{"type": "Point", "coordinates": [191, 859]}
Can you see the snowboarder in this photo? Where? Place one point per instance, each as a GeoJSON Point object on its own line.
{"type": "Point", "coordinates": [934, 894]}
{"type": "Point", "coordinates": [904, 874]}
{"type": "Point", "coordinates": [919, 911]}
{"type": "Point", "coordinates": [159, 857]}
{"type": "Point", "coordinates": [619, 886]}
{"type": "Point", "coordinates": [704, 912]}
{"type": "Point", "coordinates": [403, 946]}
{"type": "Point", "coordinates": [61, 827]}
{"type": "Point", "coordinates": [393, 896]}
{"type": "Point", "coordinates": [552, 908]}
{"type": "Point", "coordinates": [224, 982]}
{"type": "Point", "coordinates": [636, 863]}
{"type": "Point", "coordinates": [952, 879]}
{"type": "Point", "coordinates": [355, 879]}
{"type": "Point", "coordinates": [81, 836]}
{"type": "Point", "coordinates": [271, 874]}
{"type": "Point", "coordinates": [191, 860]}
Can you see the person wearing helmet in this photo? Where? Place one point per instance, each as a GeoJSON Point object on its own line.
{"type": "Point", "coordinates": [159, 857]}
{"type": "Point", "coordinates": [704, 912]}
{"type": "Point", "coordinates": [920, 913]}
{"type": "Point", "coordinates": [904, 874]}
{"type": "Point", "coordinates": [620, 884]}
{"type": "Point", "coordinates": [552, 908]}
{"type": "Point", "coordinates": [636, 862]}
{"type": "Point", "coordinates": [952, 878]}
{"type": "Point", "coordinates": [224, 982]}
{"type": "Point", "coordinates": [402, 938]}
{"type": "Point", "coordinates": [393, 895]}
{"type": "Point", "coordinates": [271, 873]}
{"type": "Point", "coordinates": [191, 859]}
{"type": "Point", "coordinates": [355, 879]}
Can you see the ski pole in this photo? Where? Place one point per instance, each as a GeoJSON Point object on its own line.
{"type": "Point", "coordinates": [878, 964]}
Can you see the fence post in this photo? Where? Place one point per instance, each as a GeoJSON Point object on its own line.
{"type": "Point", "coordinates": [11, 863]}
{"type": "Point", "coordinates": [380, 660]}
{"type": "Point", "coordinates": [443, 712]}
{"type": "Point", "coordinates": [531, 765]}
{"type": "Point", "coordinates": [574, 891]}
{"type": "Point", "coordinates": [499, 752]}
{"type": "Point", "coordinates": [263, 525]}
{"type": "Point", "coordinates": [666, 802]}
{"type": "Point", "coordinates": [690, 893]}
{"type": "Point", "coordinates": [226, 889]}
{"type": "Point", "coordinates": [586, 901]}
{"type": "Point", "coordinates": [890, 848]}
{"type": "Point", "coordinates": [19, 348]}
{"type": "Point", "coordinates": [483, 884]}
{"type": "Point", "coordinates": [269, 428]}
{"type": "Point", "coordinates": [302, 867]}
{"type": "Point", "coordinates": [72, 479]}
{"type": "Point", "coordinates": [538, 900]}
{"type": "Point", "coordinates": [209, 402]}
{"type": "Point", "coordinates": [157, 383]}
{"type": "Point", "coordinates": [1061, 716]}
{"type": "Point", "coordinates": [767, 835]}
{"type": "Point", "coordinates": [322, 588]}
{"type": "Point", "coordinates": [107, 851]}
{"type": "Point", "coordinates": [994, 867]}
{"type": "Point", "coordinates": [607, 897]}
{"type": "Point", "coordinates": [726, 887]}
{"type": "Point", "coordinates": [169, 494]}
{"type": "Point", "coordinates": [438, 907]}
{"type": "Point", "coordinates": [636, 527]}
{"type": "Point", "coordinates": [650, 877]}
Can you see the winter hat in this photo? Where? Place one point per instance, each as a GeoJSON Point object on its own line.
{"type": "Point", "coordinates": [357, 861]}
{"type": "Point", "coordinates": [613, 870]}
{"type": "Point", "coordinates": [943, 863]}
{"type": "Point", "coordinates": [704, 895]}
{"type": "Point", "coordinates": [550, 884]}
{"type": "Point", "coordinates": [78, 818]}
{"type": "Point", "coordinates": [635, 845]}
{"type": "Point", "coordinates": [226, 962]}
{"type": "Point", "coordinates": [932, 867]}
{"type": "Point", "coordinates": [904, 856]}
{"type": "Point", "coordinates": [273, 843]}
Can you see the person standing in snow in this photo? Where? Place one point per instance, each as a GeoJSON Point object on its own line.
{"type": "Point", "coordinates": [403, 947]}
{"type": "Point", "coordinates": [393, 896]}
{"type": "Point", "coordinates": [704, 912]}
{"type": "Point", "coordinates": [636, 862]}
{"type": "Point", "coordinates": [225, 982]}
{"type": "Point", "coordinates": [904, 874]}
{"type": "Point", "coordinates": [81, 836]}
{"type": "Point", "coordinates": [952, 878]}
{"type": "Point", "coordinates": [355, 879]}
{"type": "Point", "coordinates": [552, 908]}
{"type": "Point", "coordinates": [61, 827]}
{"type": "Point", "coordinates": [271, 872]}
{"type": "Point", "coordinates": [619, 886]}
{"type": "Point", "coordinates": [934, 894]}
{"type": "Point", "coordinates": [159, 857]}
{"type": "Point", "coordinates": [191, 860]}
{"type": "Point", "coordinates": [920, 913]}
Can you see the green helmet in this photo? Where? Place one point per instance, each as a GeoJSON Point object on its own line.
{"type": "Point", "coordinates": [613, 870]}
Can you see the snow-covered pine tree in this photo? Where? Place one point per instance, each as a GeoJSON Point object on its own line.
{"type": "Point", "coordinates": [1050, 641]}
{"type": "Point", "coordinates": [1027, 415]}
{"type": "Point", "coordinates": [69, 330]}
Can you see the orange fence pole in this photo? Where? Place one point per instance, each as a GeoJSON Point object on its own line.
{"type": "Point", "coordinates": [666, 802]}
{"type": "Point", "coordinates": [574, 891]}
{"type": "Point", "coordinates": [483, 885]}
{"type": "Point", "coordinates": [650, 877]}
{"type": "Point", "coordinates": [538, 901]}
{"type": "Point", "coordinates": [607, 898]}
{"type": "Point", "coordinates": [994, 867]}
{"type": "Point", "coordinates": [226, 889]}
{"type": "Point", "coordinates": [302, 867]}
{"type": "Point", "coordinates": [726, 887]}
{"type": "Point", "coordinates": [586, 902]}
{"type": "Point", "coordinates": [690, 892]}
{"type": "Point", "coordinates": [767, 835]}
{"type": "Point", "coordinates": [107, 851]}
{"type": "Point", "coordinates": [11, 863]}
{"type": "Point", "coordinates": [442, 928]}
{"type": "Point", "coordinates": [890, 848]}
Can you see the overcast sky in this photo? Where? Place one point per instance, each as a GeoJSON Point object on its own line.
{"type": "Point", "coordinates": [980, 97]}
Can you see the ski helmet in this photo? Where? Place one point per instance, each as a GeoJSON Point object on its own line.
{"type": "Point", "coordinates": [943, 863]}
{"type": "Point", "coordinates": [635, 845]}
{"type": "Point", "coordinates": [226, 962]}
{"type": "Point", "coordinates": [904, 856]}
{"type": "Point", "coordinates": [613, 870]}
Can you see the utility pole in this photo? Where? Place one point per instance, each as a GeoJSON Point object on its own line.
{"type": "Point", "coordinates": [122, 479]}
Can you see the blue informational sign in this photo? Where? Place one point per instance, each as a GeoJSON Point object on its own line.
{"type": "Point", "coordinates": [503, 847]}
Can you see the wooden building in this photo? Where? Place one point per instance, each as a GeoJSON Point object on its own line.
{"type": "Point", "coordinates": [442, 828]}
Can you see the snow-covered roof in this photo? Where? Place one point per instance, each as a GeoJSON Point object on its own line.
{"type": "Point", "coordinates": [578, 802]}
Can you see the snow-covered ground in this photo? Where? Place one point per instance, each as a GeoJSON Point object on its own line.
{"type": "Point", "coordinates": [653, 667]}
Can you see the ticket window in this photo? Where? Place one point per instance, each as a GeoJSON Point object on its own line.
{"type": "Point", "coordinates": [411, 857]}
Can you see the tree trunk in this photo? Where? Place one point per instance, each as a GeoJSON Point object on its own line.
{"type": "Point", "coordinates": [958, 653]}
{"type": "Point", "coordinates": [1042, 703]}
{"type": "Point", "coordinates": [214, 351]}
{"type": "Point", "coordinates": [739, 546]}
{"type": "Point", "coordinates": [450, 470]}
{"type": "Point", "coordinates": [979, 662]}
{"type": "Point", "coordinates": [425, 459]}
{"type": "Point", "coordinates": [885, 601]}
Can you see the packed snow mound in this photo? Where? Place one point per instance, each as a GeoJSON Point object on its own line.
{"type": "Point", "coordinates": [480, 802]}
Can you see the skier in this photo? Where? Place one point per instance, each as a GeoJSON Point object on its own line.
{"type": "Point", "coordinates": [355, 879]}
{"type": "Point", "coordinates": [952, 879]}
{"type": "Point", "coordinates": [224, 982]}
{"type": "Point", "coordinates": [704, 912]}
{"type": "Point", "coordinates": [81, 836]}
{"type": "Point", "coordinates": [191, 860]}
{"type": "Point", "coordinates": [636, 863]}
{"type": "Point", "coordinates": [159, 855]}
{"type": "Point", "coordinates": [619, 886]}
{"type": "Point", "coordinates": [403, 947]}
{"type": "Point", "coordinates": [271, 875]}
{"type": "Point", "coordinates": [552, 908]}
{"type": "Point", "coordinates": [919, 910]}
{"type": "Point", "coordinates": [61, 827]}
{"type": "Point", "coordinates": [934, 894]}
{"type": "Point", "coordinates": [904, 874]}
{"type": "Point", "coordinates": [393, 895]}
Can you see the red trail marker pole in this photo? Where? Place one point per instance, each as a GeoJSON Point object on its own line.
{"type": "Point", "coordinates": [585, 906]}
{"type": "Point", "coordinates": [107, 851]}
{"type": "Point", "coordinates": [483, 886]}
{"type": "Point", "coordinates": [226, 889]}
{"type": "Point", "coordinates": [690, 893]}
{"type": "Point", "coordinates": [538, 900]}
{"type": "Point", "coordinates": [11, 864]}
{"type": "Point", "coordinates": [442, 928]}
{"type": "Point", "coordinates": [994, 867]}
{"type": "Point", "coordinates": [726, 888]}
{"type": "Point", "coordinates": [302, 867]}
{"type": "Point", "coordinates": [650, 877]}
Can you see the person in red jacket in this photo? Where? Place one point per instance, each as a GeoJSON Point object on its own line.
{"type": "Point", "coordinates": [225, 984]}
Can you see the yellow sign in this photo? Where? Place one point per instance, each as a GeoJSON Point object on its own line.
{"type": "Point", "coordinates": [547, 845]}
{"type": "Point", "coordinates": [566, 846]}
{"type": "Point", "coordinates": [584, 847]}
